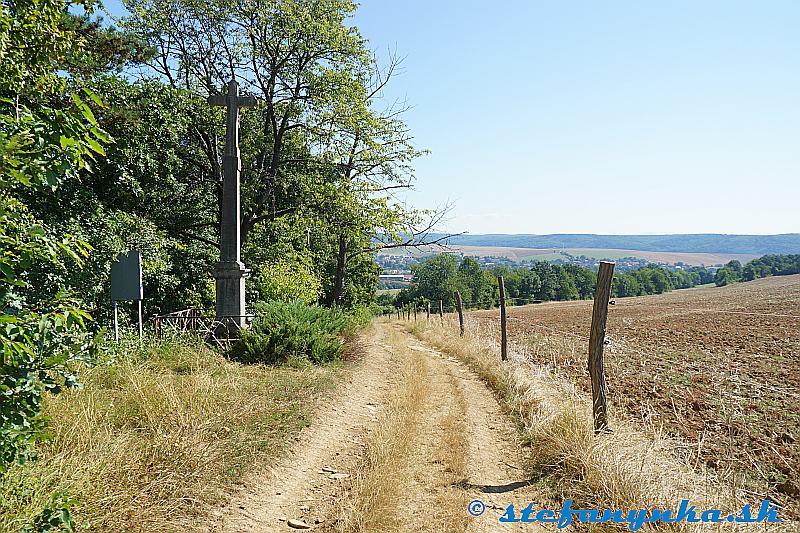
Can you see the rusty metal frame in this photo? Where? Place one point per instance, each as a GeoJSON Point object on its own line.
{"type": "Point", "coordinates": [214, 329]}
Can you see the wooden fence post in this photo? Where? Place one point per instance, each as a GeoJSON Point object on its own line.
{"type": "Point", "coordinates": [441, 311]}
{"type": "Point", "coordinates": [429, 311]}
{"type": "Point", "coordinates": [503, 336]}
{"type": "Point", "coordinates": [415, 312]}
{"type": "Point", "coordinates": [597, 337]}
{"type": "Point", "coordinates": [460, 313]}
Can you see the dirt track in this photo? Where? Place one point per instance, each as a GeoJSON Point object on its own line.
{"type": "Point", "coordinates": [314, 483]}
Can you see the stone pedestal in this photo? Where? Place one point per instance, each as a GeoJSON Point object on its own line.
{"type": "Point", "coordinates": [230, 277]}
{"type": "Point", "coordinates": [230, 272]}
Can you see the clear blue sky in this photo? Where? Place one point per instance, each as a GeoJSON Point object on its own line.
{"type": "Point", "coordinates": [601, 117]}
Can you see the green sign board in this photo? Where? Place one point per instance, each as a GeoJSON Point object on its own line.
{"type": "Point", "coordinates": [126, 277]}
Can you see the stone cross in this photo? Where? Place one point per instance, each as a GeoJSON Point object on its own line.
{"type": "Point", "coordinates": [230, 272]}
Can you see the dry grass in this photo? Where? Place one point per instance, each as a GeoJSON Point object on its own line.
{"type": "Point", "coordinates": [155, 440]}
{"type": "Point", "coordinates": [420, 444]}
{"type": "Point", "coordinates": [455, 446]}
{"type": "Point", "coordinates": [453, 451]}
{"type": "Point", "coordinates": [378, 486]}
{"type": "Point", "coordinates": [635, 467]}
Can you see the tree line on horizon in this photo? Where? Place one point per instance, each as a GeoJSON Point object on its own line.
{"type": "Point", "coordinates": [438, 277]}
{"type": "Point", "coordinates": [763, 267]}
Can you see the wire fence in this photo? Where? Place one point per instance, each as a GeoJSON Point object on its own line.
{"type": "Point", "coordinates": [727, 405]}
{"type": "Point", "coordinates": [488, 305]}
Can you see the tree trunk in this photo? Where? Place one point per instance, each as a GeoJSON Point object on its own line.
{"type": "Point", "coordinates": [341, 268]}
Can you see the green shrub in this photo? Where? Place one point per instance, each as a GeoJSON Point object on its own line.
{"type": "Point", "coordinates": [293, 331]}
{"type": "Point", "coordinates": [287, 281]}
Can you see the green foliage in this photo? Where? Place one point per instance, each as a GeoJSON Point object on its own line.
{"type": "Point", "coordinates": [138, 197]}
{"type": "Point", "coordinates": [585, 281]}
{"type": "Point", "coordinates": [164, 274]}
{"type": "Point", "coordinates": [768, 265]}
{"type": "Point", "coordinates": [725, 276]}
{"type": "Point", "coordinates": [556, 283]}
{"type": "Point", "coordinates": [317, 161]}
{"type": "Point", "coordinates": [434, 280]}
{"type": "Point", "coordinates": [48, 135]}
{"type": "Point", "coordinates": [771, 265]}
{"type": "Point", "coordinates": [359, 318]}
{"type": "Point", "coordinates": [657, 280]}
{"type": "Point", "coordinates": [292, 332]}
{"type": "Point", "coordinates": [521, 282]}
{"type": "Point", "coordinates": [478, 285]}
{"type": "Point", "coordinates": [31, 43]}
{"type": "Point", "coordinates": [54, 517]}
{"type": "Point", "coordinates": [439, 276]}
{"type": "Point", "coordinates": [384, 304]}
{"type": "Point", "coordinates": [38, 351]}
{"type": "Point", "coordinates": [287, 281]}
{"type": "Point", "coordinates": [110, 49]}
{"type": "Point", "coordinates": [360, 282]}
{"type": "Point", "coordinates": [320, 153]}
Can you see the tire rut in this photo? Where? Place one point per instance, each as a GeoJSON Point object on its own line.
{"type": "Point", "coordinates": [496, 459]}
{"type": "Point", "coordinates": [462, 448]}
{"type": "Point", "coordinates": [296, 487]}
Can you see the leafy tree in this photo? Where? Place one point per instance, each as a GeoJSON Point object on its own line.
{"type": "Point", "coordinates": [725, 276]}
{"type": "Point", "coordinates": [584, 279]}
{"type": "Point", "coordinates": [530, 284]}
{"type": "Point", "coordinates": [138, 196]}
{"type": "Point", "coordinates": [735, 266]}
{"type": "Point", "coordinates": [771, 265]}
{"type": "Point", "coordinates": [105, 48]}
{"type": "Point", "coordinates": [434, 280]}
{"type": "Point", "coordinates": [705, 275]}
{"type": "Point", "coordinates": [318, 148]}
{"type": "Point", "coordinates": [48, 135]}
{"type": "Point", "coordinates": [478, 284]}
{"type": "Point", "coordinates": [440, 275]}
{"type": "Point", "coordinates": [659, 280]}
{"type": "Point", "coordinates": [550, 277]}
{"type": "Point", "coordinates": [565, 288]}
{"type": "Point", "coordinates": [626, 285]}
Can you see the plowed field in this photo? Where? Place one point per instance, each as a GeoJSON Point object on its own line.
{"type": "Point", "coordinates": [717, 367]}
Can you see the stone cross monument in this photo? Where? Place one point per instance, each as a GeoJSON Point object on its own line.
{"type": "Point", "coordinates": [230, 271]}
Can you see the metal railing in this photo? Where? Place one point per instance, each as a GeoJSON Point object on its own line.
{"type": "Point", "coordinates": [218, 330]}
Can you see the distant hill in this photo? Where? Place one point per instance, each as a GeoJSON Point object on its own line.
{"type": "Point", "coordinates": [788, 243]}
